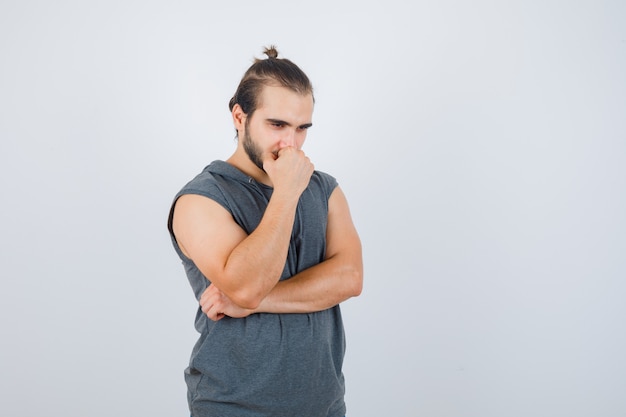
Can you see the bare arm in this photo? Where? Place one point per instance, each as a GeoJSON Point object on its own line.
{"type": "Point", "coordinates": [322, 286]}
{"type": "Point", "coordinates": [331, 282]}
{"type": "Point", "coordinates": [244, 267]}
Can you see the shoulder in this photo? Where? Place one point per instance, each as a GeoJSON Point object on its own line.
{"type": "Point", "coordinates": [206, 184]}
{"type": "Point", "coordinates": [217, 181]}
{"type": "Point", "coordinates": [325, 182]}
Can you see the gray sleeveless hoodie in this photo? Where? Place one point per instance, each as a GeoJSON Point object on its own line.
{"type": "Point", "coordinates": [274, 365]}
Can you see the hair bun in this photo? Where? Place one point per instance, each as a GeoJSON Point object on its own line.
{"type": "Point", "coordinates": [271, 52]}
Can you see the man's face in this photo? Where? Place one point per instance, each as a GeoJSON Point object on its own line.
{"type": "Point", "coordinates": [281, 120]}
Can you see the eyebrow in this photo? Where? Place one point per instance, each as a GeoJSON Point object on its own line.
{"type": "Point", "coordinates": [282, 122]}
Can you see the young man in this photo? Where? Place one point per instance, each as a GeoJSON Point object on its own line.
{"type": "Point", "coordinates": [270, 250]}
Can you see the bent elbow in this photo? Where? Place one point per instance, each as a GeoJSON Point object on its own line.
{"type": "Point", "coordinates": [356, 283]}
{"type": "Point", "coordinates": [247, 299]}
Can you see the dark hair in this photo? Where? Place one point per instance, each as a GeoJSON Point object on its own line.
{"type": "Point", "coordinates": [264, 72]}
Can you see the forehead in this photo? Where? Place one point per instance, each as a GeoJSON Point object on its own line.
{"type": "Point", "coordinates": [285, 104]}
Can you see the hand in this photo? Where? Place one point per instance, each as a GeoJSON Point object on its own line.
{"type": "Point", "coordinates": [289, 170]}
{"type": "Point", "coordinates": [215, 304]}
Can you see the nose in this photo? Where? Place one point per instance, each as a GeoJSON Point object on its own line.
{"type": "Point", "coordinates": [288, 138]}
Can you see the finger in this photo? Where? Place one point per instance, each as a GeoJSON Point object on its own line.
{"type": "Point", "coordinates": [211, 291]}
{"type": "Point", "coordinates": [267, 159]}
{"type": "Point", "coordinates": [206, 297]}
{"type": "Point", "coordinates": [206, 309]}
{"type": "Point", "coordinates": [208, 301]}
{"type": "Point", "coordinates": [286, 150]}
{"type": "Point", "coordinates": [215, 306]}
{"type": "Point", "coordinates": [214, 314]}
{"type": "Point", "coordinates": [269, 156]}
{"type": "Point", "coordinates": [205, 306]}
{"type": "Point", "coordinates": [210, 312]}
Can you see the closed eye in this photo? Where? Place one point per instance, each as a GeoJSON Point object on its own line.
{"type": "Point", "coordinates": [305, 126]}
{"type": "Point", "coordinates": [277, 123]}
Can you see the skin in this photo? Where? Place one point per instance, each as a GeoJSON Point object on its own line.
{"type": "Point", "coordinates": [245, 269]}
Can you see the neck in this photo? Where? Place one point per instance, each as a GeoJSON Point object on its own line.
{"type": "Point", "coordinates": [241, 161]}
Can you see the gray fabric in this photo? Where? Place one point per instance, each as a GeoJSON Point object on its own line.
{"type": "Point", "coordinates": [266, 364]}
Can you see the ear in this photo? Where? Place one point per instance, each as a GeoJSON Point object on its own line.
{"type": "Point", "coordinates": [239, 117]}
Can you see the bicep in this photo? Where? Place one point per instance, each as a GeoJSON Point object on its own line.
{"type": "Point", "coordinates": [206, 233]}
{"type": "Point", "coordinates": [341, 235]}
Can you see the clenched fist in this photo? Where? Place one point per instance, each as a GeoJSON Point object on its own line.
{"type": "Point", "coordinates": [289, 170]}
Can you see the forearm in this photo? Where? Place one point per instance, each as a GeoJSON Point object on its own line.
{"type": "Point", "coordinates": [256, 264]}
{"type": "Point", "coordinates": [315, 289]}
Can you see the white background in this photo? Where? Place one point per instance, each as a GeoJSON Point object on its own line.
{"type": "Point", "coordinates": [482, 147]}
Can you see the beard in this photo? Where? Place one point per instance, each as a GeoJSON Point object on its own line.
{"type": "Point", "coordinates": [252, 150]}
